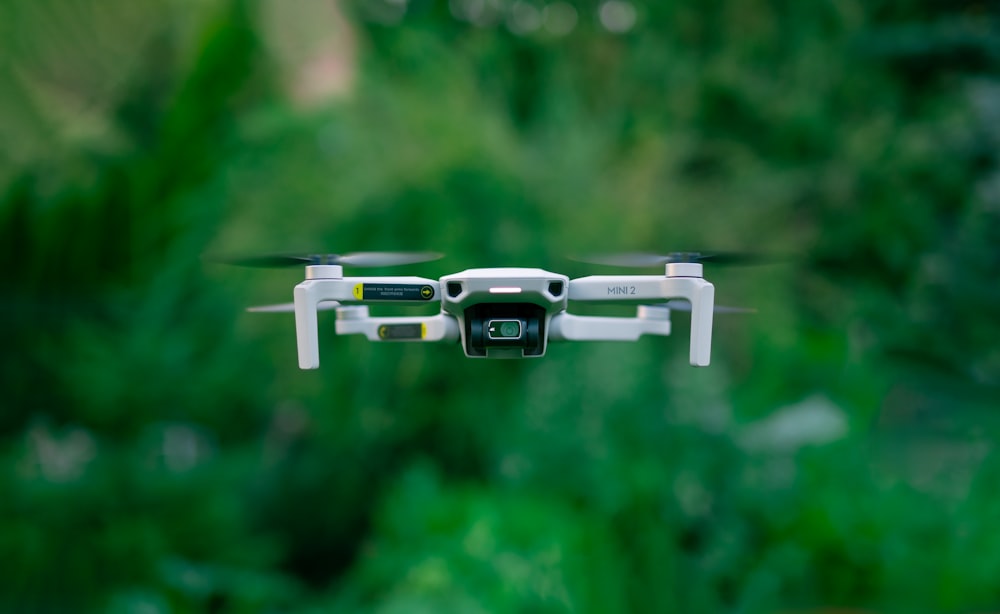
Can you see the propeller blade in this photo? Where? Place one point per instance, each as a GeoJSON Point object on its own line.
{"type": "Point", "coordinates": [376, 259]}
{"type": "Point", "coordinates": [290, 307]}
{"type": "Point", "coordinates": [271, 261]}
{"type": "Point", "coordinates": [629, 259]}
{"type": "Point", "coordinates": [642, 260]}
{"type": "Point", "coordinates": [732, 258]}
{"type": "Point", "coordinates": [686, 306]}
{"type": "Point", "coordinates": [357, 259]}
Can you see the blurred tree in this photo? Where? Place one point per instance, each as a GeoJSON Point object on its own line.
{"type": "Point", "coordinates": [160, 452]}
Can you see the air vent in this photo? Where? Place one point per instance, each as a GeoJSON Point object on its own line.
{"type": "Point", "coordinates": [555, 288]}
{"type": "Point", "coordinates": [454, 289]}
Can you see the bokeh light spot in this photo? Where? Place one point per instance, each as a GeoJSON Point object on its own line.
{"type": "Point", "coordinates": [524, 18]}
{"type": "Point", "coordinates": [617, 16]}
{"type": "Point", "coordinates": [559, 18]}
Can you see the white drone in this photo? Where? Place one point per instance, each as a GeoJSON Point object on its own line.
{"type": "Point", "coordinates": [499, 312]}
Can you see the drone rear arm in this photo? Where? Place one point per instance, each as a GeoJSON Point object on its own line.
{"type": "Point", "coordinates": [630, 288]}
{"type": "Point", "coordinates": [650, 321]}
{"type": "Point", "coordinates": [356, 321]}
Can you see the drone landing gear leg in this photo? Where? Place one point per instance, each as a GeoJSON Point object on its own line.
{"type": "Point", "coordinates": [701, 295]}
{"type": "Point", "coordinates": [308, 296]}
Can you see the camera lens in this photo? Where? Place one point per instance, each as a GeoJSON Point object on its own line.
{"type": "Point", "coordinates": [504, 329]}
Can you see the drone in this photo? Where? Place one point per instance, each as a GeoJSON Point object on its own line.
{"type": "Point", "coordinates": [500, 312]}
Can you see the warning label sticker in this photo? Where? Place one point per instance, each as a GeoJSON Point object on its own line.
{"type": "Point", "coordinates": [393, 292]}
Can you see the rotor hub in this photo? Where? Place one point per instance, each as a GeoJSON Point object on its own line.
{"type": "Point", "coordinates": [352, 312]}
{"type": "Point", "coordinates": [324, 271]}
{"type": "Point", "coordinates": [685, 269]}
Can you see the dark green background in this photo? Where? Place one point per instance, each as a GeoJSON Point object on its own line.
{"type": "Point", "coordinates": [160, 451]}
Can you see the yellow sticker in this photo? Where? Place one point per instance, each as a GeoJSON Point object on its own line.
{"type": "Point", "coordinates": [359, 291]}
{"type": "Point", "coordinates": [423, 330]}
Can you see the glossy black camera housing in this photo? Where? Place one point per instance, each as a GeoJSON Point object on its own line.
{"type": "Point", "coordinates": [480, 340]}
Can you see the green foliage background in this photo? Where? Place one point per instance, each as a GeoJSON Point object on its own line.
{"type": "Point", "coordinates": [161, 452]}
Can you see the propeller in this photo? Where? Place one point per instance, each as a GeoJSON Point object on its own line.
{"type": "Point", "coordinates": [642, 260]}
{"type": "Point", "coordinates": [357, 259]}
{"type": "Point", "coordinates": [290, 307]}
{"type": "Point", "coordinates": [686, 306]}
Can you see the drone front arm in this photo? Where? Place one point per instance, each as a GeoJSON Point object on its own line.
{"type": "Point", "coordinates": [310, 293]}
{"type": "Point", "coordinates": [650, 288]}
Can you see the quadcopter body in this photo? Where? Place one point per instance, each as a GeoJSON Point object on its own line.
{"type": "Point", "coordinates": [495, 312]}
